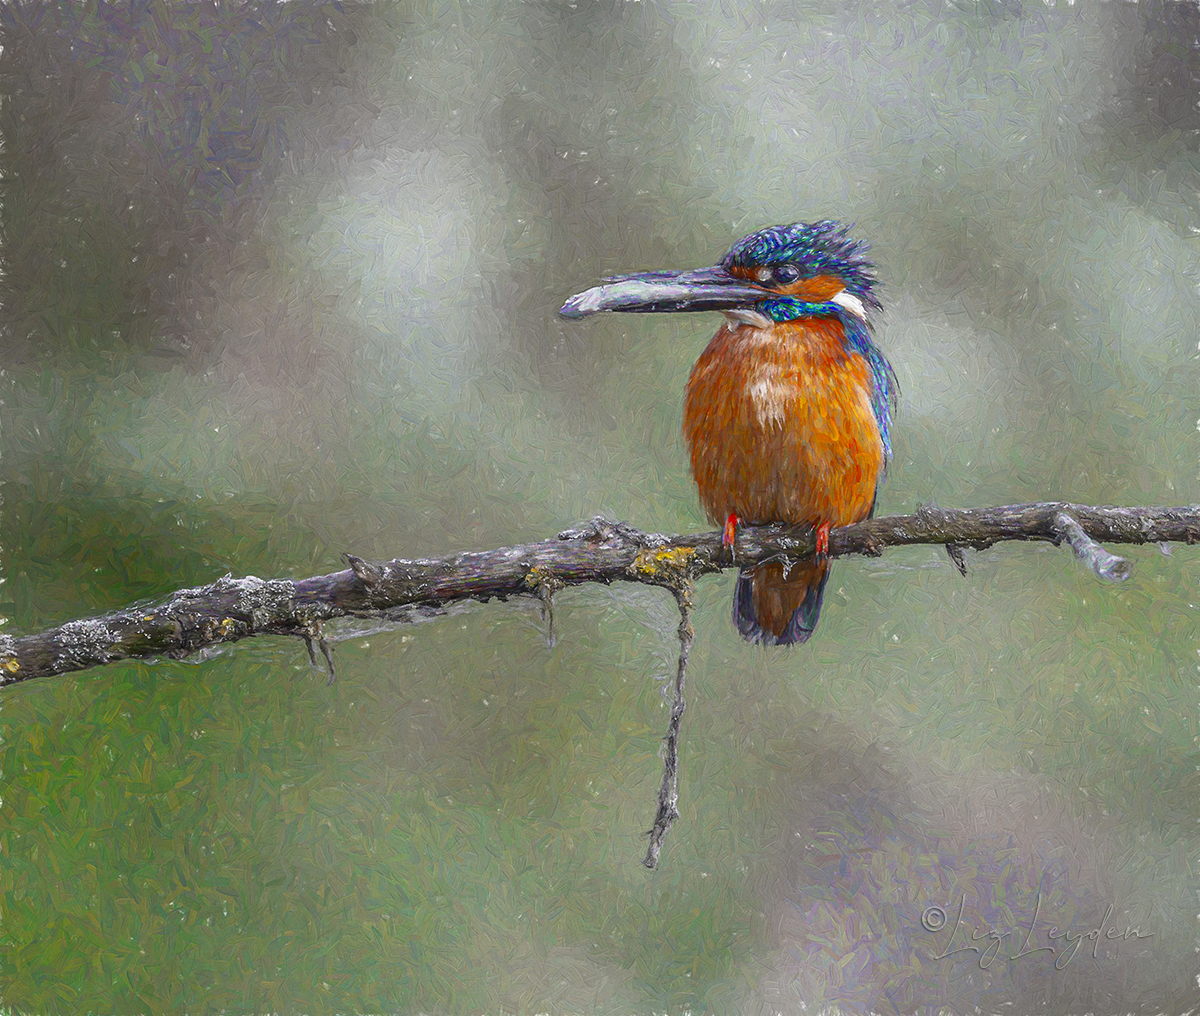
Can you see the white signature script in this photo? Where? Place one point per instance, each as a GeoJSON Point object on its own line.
{"type": "Point", "coordinates": [934, 920]}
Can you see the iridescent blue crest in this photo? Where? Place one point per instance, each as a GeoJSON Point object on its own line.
{"type": "Point", "coordinates": [817, 248]}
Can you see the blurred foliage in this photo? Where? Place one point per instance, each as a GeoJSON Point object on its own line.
{"type": "Point", "coordinates": [150, 152]}
{"type": "Point", "coordinates": [279, 282]}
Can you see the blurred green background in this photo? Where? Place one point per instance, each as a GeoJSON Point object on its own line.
{"type": "Point", "coordinates": [279, 282]}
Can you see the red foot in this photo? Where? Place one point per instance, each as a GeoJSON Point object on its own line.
{"type": "Point", "coordinates": [729, 534]}
{"type": "Point", "coordinates": [823, 542]}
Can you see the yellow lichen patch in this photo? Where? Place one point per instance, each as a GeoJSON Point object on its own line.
{"type": "Point", "coordinates": [662, 563]}
{"type": "Point", "coordinates": [542, 580]}
{"type": "Point", "coordinates": [11, 664]}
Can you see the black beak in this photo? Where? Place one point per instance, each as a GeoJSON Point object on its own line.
{"type": "Point", "coordinates": [666, 292]}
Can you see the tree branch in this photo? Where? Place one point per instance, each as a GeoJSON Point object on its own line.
{"type": "Point", "coordinates": [399, 590]}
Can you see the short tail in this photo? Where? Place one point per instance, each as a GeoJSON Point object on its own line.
{"type": "Point", "coordinates": [775, 610]}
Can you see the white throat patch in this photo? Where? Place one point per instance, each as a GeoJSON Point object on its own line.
{"type": "Point", "coordinates": [851, 303]}
{"type": "Point", "coordinates": [738, 316]}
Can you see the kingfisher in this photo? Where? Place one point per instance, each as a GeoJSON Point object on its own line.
{"type": "Point", "coordinates": [787, 413]}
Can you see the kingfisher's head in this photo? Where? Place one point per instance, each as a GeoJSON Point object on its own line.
{"type": "Point", "coordinates": [777, 274]}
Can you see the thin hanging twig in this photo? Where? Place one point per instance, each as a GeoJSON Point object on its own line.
{"type": "Point", "coordinates": [668, 792]}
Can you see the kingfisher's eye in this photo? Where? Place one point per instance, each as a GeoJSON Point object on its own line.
{"type": "Point", "coordinates": [786, 274]}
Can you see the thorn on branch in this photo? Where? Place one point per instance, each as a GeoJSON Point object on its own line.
{"type": "Point", "coordinates": [318, 630]}
{"type": "Point", "coordinates": [1107, 566]}
{"type": "Point", "coordinates": [327, 649]}
{"type": "Point", "coordinates": [368, 574]}
{"type": "Point", "coordinates": [545, 584]}
{"type": "Point", "coordinates": [955, 553]}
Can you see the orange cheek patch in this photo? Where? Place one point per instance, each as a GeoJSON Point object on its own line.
{"type": "Point", "coordinates": [816, 289]}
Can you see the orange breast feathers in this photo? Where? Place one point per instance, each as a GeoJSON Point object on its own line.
{"type": "Point", "coordinates": [780, 426]}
